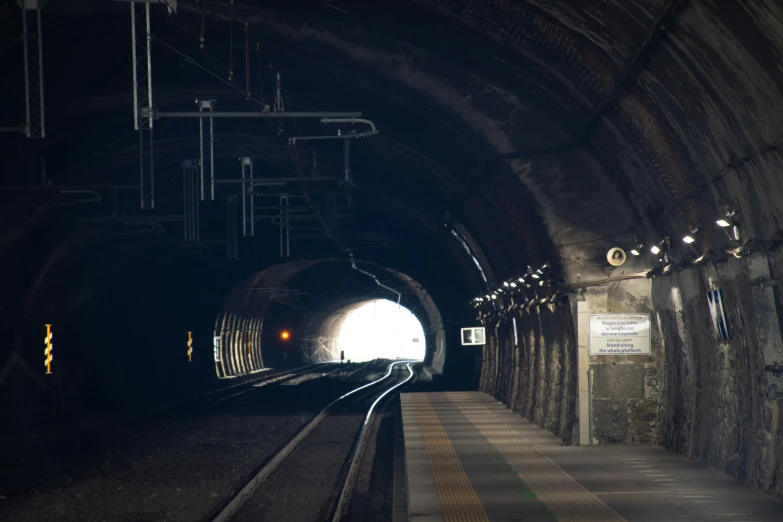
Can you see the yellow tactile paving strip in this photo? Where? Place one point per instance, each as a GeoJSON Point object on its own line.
{"type": "Point", "coordinates": [568, 500]}
{"type": "Point", "coordinates": [458, 498]}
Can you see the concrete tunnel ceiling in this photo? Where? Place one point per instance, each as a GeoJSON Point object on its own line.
{"type": "Point", "coordinates": [640, 118]}
{"type": "Point", "coordinates": [321, 293]}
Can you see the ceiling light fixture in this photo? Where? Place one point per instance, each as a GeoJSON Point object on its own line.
{"type": "Point", "coordinates": [654, 249]}
{"type": "Point", "coordinates": [688, 239]}
{"type": "Point", "coordinates": [505, 283]}
{"type": "Point", "coordinates": [723, 223]}
{"type": "Point", "coordinates": [513, 285]}
{"type": "Point", "coordinates": [494, 296]}
{"type": "Point", "coordinates": [521, 279]}
{"type": "Point", "coordinates": [535, 276]}
{"type": "Point", "coordinates": [635, 252]}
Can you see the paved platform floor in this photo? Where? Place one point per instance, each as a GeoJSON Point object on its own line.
{"type": "Point", "coordinates": [468, 458]}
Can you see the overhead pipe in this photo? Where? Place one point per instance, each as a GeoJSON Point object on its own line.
{"type": "Point", "coordinates": [267, 181]}
{"type": "Point", "coordinates": [70, 188]}
{"type": "Point", "coordinates": [339, 136]}
{"type": "Point", "coordinates": [95, 199]}
{"type": "Point", "coordinates": [158, 218]}
{"type": "Point", "coordinates": [150, 227]}
{"type": "Point", "coordinates": [348, 116]}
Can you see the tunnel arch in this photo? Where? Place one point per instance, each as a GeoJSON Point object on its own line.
{"type": "Point", "coordinates": [548, 132]}
{"type": "Point", "coordinates": [249, 302]}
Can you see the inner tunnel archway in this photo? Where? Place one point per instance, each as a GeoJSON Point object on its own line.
{"type": "Point", "coordinates": [312, 300]}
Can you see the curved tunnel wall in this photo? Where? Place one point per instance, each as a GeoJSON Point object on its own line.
{"type": "Point", "coordinates": [712, 400]}
{"type": "Point", "coordinates": [237, 345]}
{"type": "Point", "coordinates": [662, 114]}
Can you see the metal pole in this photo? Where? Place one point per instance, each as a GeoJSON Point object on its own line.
{"type": "Point", "coordinates": [201, 149]}
{"type": "Point", "coordinates": [196, 207]}
{"type": "Point", "coordinates": [235, 233]}
{"type": "Point", "coordinates": [281, 226]}
{"type": "Point", "coordinates": [287, 229]}
{"type": "Point", "coordinates": [211, 156]}
{"type": "Point", "coordinates": [26, 37]}
{"type": "Point", "coordinates": [152, 165]}
{"type": "Point", "coordinates": [229, 247]}
{"type": "Point", "coordinates": [149, 67]}
{"type": "Point", "coordinates": [184, 202]}
{"type": "Point", "coordinates": [244, 204]}
{"type": "Point", "coordinates": [142, 185]}
{"type": "Point", "coordinates": [135, 75]}
{"type": "Point", "coordinates": [40, 71]}
{"type": "Point", "coordinates": [347, 161]}
{"type": "Point", "coordinates": [252, 205]}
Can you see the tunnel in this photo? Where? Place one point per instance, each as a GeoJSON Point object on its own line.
{"type": "Point", "coordinates": [598, 185]}
{"type": "Point", "coordinates": [295, 312]}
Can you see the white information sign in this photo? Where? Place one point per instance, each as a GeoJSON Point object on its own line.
{"type": "Point", "coordinates": [473, 336]}
{"type": "Point", "coordinates": [619, 334]}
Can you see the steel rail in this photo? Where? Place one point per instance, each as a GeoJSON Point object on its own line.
{"type": "Point", "coordinates": [240, 498]}
{"type": "Point", "coordinates": [357, 452]}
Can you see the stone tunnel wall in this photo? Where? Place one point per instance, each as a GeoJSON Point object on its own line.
{"type": "Point", "coordinates": [695, 395]}
{"type": "Point", "coordinates": [536, 376]}
{"type": "Point", "coordinates": [717, 406]}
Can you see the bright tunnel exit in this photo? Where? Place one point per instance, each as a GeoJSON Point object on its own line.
{"type": "Point", "coordinates": [381, 329]}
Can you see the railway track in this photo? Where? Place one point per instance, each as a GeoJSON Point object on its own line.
{"type": "Point", "coordinates": [73, 447]}
{"type": "Point", "coordinates": [312, 476]}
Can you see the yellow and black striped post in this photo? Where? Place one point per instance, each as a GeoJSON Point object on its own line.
{"type": "Point", "coordinates": [190, 346]}
{"type": "Point", "coordinates": [48, 349]}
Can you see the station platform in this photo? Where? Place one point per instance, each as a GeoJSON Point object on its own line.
{"type": "Point", "coordinates": [468, 458]}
